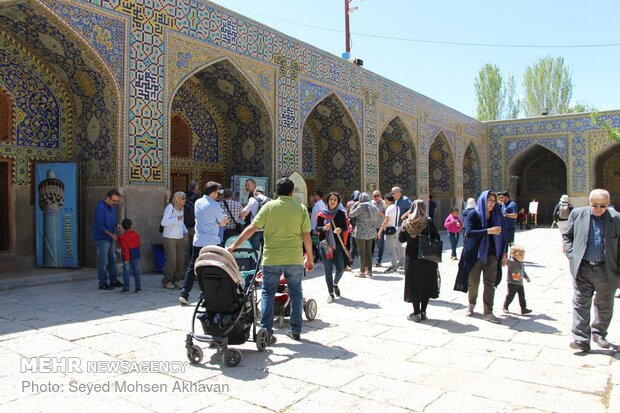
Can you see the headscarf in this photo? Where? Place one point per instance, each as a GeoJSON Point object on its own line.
{"type": "Point", "coordinates": [176, 200]}
{"type": "Point", "coordinates": [355, 195]}
{"type": "Point", "coordinates": [418, 220]}
{"type": "Point", "coordinates": [364, 197]}
{"type": "Point", "coordinates": [328, 215]}
{"type": "Point", "coordinates": [471, 203]}
{"type": "Point", "coordinates": [495, 220]}
{"type": "Point", "coordinates": [564, 198]}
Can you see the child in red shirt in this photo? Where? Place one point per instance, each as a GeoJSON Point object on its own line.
{"type": "Point", "coordinates": [130, 247]}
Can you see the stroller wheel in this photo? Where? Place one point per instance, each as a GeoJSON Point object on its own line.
{"type": "Point", "coordinates": [262, 339]}
{"type": "Point", "coordinates": [232, 357]}
{"type": "Point", "coordinates": [310, 309]}
{"type": "Point", "coordinates": [194, 354]}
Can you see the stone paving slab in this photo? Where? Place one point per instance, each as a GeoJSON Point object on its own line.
{"type": "Point", "coordinates": [359, 354]}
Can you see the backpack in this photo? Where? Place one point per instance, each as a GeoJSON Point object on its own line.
{"type": "Point", "coordinates": [262, 200]}
{"type": "Point", "coordinates": [189, 217]}
{"type": "Point", "coordinates": [564, 211]}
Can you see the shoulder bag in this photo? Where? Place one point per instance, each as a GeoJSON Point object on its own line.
{"type": "Point", "coordinates": [238, 226]}
{"type": "Point", "coordinates": [429, 249]}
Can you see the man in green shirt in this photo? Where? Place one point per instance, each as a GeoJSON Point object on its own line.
{"type": "Point", "coordinates": [286, 227]}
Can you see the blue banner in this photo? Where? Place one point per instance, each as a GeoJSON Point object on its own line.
{"type": "Point", "coordinates": [56, 214]}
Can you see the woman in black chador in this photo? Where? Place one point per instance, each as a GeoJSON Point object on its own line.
{"type": "Point", "coordinates": [420, 275]}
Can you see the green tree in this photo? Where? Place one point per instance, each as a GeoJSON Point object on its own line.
{"type": "Point", "coordinates": [548, 87]}
{"type": "Point", "coordinates": [513, 104]}
{"type": "Point", "coordinates": [489, 93]}
{"type": "Point", "coordinates": [606, 125]}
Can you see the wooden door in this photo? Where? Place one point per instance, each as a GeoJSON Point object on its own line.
{"type": "Point", "coordinates": [179, 182]}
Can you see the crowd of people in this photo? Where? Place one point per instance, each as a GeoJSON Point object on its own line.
{"type": "Point", "coordinates": [392, 224]}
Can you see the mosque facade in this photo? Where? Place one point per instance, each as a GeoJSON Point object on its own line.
{"type": "Point", "coordinates": [148, 95]}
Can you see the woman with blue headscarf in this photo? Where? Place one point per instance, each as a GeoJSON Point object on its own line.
{"type": "Point", "coordinates": [484, 252]}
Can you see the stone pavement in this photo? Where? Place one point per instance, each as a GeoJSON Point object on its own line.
{"type": "Point", "coordinates": [359, 354]}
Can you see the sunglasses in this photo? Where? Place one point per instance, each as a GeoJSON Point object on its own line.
{"type": "Point", "coordinates": [377, 196]}
{"type": "Point", "coordinates": [598, 206]}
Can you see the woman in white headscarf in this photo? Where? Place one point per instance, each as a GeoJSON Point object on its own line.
{"type": "Point", "coordinates": [420, 275]}
{"type": "Point", "coordinates": [470, 206]}
{"type": "Point", "coordinates": [174, 241]}
{"type": "Point", "coordinates": [562, 211]}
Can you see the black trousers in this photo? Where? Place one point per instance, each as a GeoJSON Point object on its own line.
{"type": "Point", "coordinates": [514, 289]}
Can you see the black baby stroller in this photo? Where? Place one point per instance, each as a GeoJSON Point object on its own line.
{"type": "Point", "coordinates": [227, 308]}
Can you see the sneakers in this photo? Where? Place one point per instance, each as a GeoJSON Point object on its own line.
{"type": "Point", "coordinates": [490, 317]}
{"type": "Point", "coordinates": [506, 311]}
{"type": "Point", "coordinates": [389, 270]}
{"type": "Point", "coordinates": [470, 310]}
{"type": "Point", "coordinates": [272, 340]}
{"type": "Point", "coordinates": [336, 291]}
{"type": "Point", "coordinates": [525, 311]}
{"type": "Point", "coordinates": [124, 291]}
{"type": "Point", "coordinates": [378, 264]}
{"type": "Point", "coordinates": [294, 336]}
{"type": "Point", "coordinates": [580, 345]}
{"type": "Point", "coordinates": [183, 300]}
{"type": "Point", "coordinates": [600, 341]}
{"type": "Point", "coordinates": [116, 283]}
{"type": "Point", "coordinates": [330, 299]}
{"type": "Point", "coordinates": [360, 275]}
{"type": "Point", "coordinates": [416, 318]}
{"type": "Point", "coordinates": [177, 285]}
{"type": "Point", "coordinates": [138, 290]}
{"type": "Point", "coordinates": [169, 286]}
{"type": "Point", "coordinates": [105, 287]}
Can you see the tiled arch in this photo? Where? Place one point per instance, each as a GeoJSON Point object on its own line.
{"type": "Point", "coordinates": [441, 169]}
{"type": "Point", "coordinates": [397, 158]}
{"type": "Point", "coordinates": [333, 144]}
{"type": "Point", "coordinates": [472, 185]}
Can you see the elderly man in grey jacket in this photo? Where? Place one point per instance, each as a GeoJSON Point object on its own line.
{"type": "Point", "coordinates": [591, 240]}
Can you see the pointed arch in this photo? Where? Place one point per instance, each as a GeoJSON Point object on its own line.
{"type": "Point", "coordinates": [538, 173]}
{"type": "Point", "coordinates": [441, 168]}
{"type": "Point", "coordinates": [397, 158]}
{"type": "Point", "coordinates": [472, 185]}
{"type": "Point", "coordinates": [336, 144]}
{"type": "Point", "coordinates": [234, 125]}
{"type": "Point", "coordinates": [607, 172]}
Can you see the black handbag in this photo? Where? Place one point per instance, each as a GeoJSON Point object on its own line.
{"type": "Point", "coordinates": [429, 249]}
{"type": "Point", "coordinates": [390, 231]}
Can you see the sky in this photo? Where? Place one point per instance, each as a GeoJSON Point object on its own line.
{"type": "Point", "coordinates": [446, 72]}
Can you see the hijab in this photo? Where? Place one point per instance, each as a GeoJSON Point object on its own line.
{"type": "Point", "coordinates": [418, 220]}
{"type": "Point", "coordinates": [176, 200]}
{"type": "Point", "coordinates": [496, 219]}
{"type": "Point", "coordinates": [471, 203]}
{"type": "Point", "coordinates": [328, 215]}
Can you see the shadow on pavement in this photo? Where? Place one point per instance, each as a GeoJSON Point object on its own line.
{"type": "Point", "coordinates": [452, 326]}
{"type": "Point", "coordinates": [355, 303]}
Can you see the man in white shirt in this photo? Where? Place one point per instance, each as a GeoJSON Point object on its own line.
{"type": "Point", "coordinates": [319, 206]}
{"type": "Point", "coordinates": [391, 233]}
{"type": "Point", "coordinates": [251, 209]}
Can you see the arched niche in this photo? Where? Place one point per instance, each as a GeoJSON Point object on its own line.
{"type": "Point", "coordinates": [441, 175]}
{"type": "Point", "coordinates": [537, 174]}
{"type": "Point", "coordinates": [332, 140]}
{"type": "Point", "coordinates": [472, 185]}
{"type": "Point", "coordinates": [607, 173]}
{"type": "Point", "coordinates": [397, 159]}
{"type": "Point", "coordinates": [230, 124]}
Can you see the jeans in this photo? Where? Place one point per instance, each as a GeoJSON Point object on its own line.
{"type": "Point", "coordinates": [394, 249]}
{"type": "Point", "coordinates": [338, 261]}
{"type": "Point", "coordinates": [106, 260]}
{"type": "Point", "coordinates": [134, 266]}
{"type": "Point", "coordinates": [454, 241]}
{"type": "Point", "coordinates": [510, 236]}
{"type": "Point", "coordinates": [188, 281]}
{"type": "Point", "coordinates": [271, 280]}
{"type": "Point", "coordinates": [380, 244]}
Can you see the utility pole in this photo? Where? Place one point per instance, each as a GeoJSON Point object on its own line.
{"type": "Point", "coordinates": [346, 28]}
